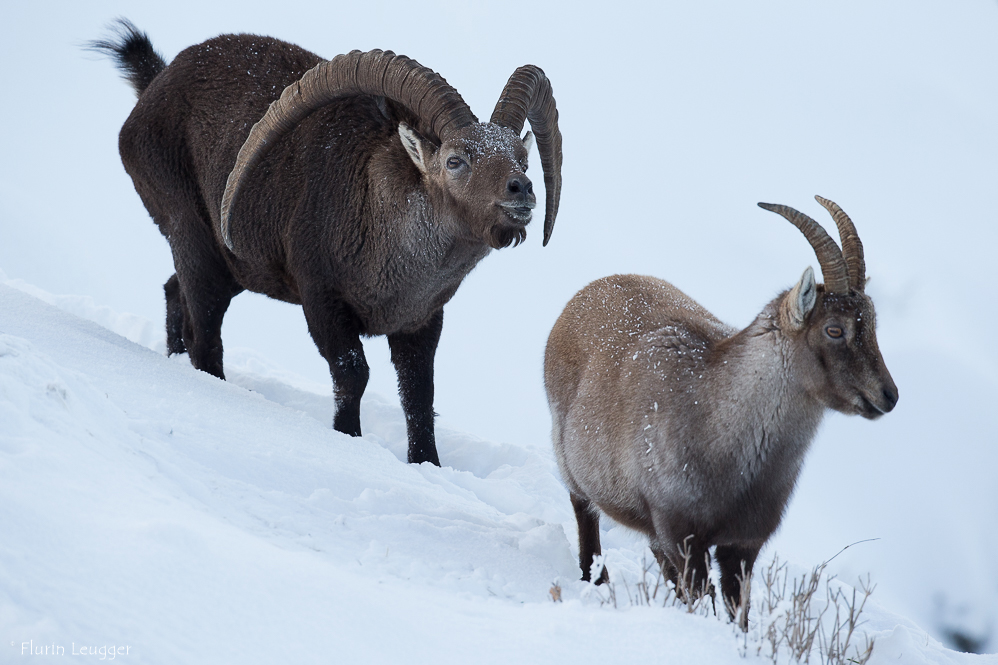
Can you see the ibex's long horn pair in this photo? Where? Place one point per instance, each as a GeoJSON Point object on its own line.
{"type": "Point", "coordinates": [442, 110]}
{"type": "Point", "coordinates": [843, 269]}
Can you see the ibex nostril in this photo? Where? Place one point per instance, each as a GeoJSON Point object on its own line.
{"type": "Point", "coordinates": [891, 397]}
{"type": "Point", "coordinates": [520, 185]}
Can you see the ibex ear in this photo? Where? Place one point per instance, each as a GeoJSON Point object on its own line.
{"type": "Point", "coordinates": [414, 144]}
{"type": "Point", "coordinates": [800, 301]}
{"type": "Point", "coordinates": [528, 141]}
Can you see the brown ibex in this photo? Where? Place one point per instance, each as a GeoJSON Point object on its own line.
{"type": "Point", "coordinates": [362, 188]}
{"type": "Point", "coordinates": [693, 432]}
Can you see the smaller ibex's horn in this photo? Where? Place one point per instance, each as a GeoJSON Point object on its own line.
{"type": "Point", "coordinates": [852, 247]}
{"type": "Point", "coordinates": [833, 267]}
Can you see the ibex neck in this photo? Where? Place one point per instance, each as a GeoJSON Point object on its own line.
{"type": "Point", "coordinates": [762, 408]}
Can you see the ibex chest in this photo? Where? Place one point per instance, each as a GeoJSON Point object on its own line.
{"type": "Point", "coordinates": [412, 272]}
{"type": "Point", "coordinates": [732, 474]}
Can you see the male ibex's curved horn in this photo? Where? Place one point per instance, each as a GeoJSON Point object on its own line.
{"type": "Point", "coordinates": [852, 247]}
{"type": "Point", "coordinates": [379, 73]}
{"type": "Point", "coordinates": [833, 267]}
{"type": "Point", "coordinates": [527, 95]}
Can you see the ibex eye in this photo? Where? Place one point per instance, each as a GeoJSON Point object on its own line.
{"type": "Point", "coordinates": [454, 163]}
{"type": "Point", "coordinates": [833, 331]}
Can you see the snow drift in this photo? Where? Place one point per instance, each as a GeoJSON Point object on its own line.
{"type": "Point", "coordinates": [150, 506]}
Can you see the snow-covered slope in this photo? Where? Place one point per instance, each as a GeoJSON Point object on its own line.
{"type": "Point", "coordinates": [149, 506]}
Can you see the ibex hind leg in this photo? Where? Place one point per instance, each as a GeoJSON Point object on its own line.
{"type": "Point", "coordinates": [206, 287]}
{"type": "Point", "coordinates": [206, 305]}
{"type": "Point", "coordinates": [589, 545]}
{"type": "Point", "coordinates": [176, 316]}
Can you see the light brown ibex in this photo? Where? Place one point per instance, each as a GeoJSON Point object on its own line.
{"type": "Point", "coordinates": [693, 432]}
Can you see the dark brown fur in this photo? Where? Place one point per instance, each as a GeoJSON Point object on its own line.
{"type": "Point", "coordinates": [337, 217]}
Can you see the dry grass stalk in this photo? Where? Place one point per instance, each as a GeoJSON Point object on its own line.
{"type": "Point", "coordinates": [795, 623]}
{"type": "Point", "coordinates": [653, 584]}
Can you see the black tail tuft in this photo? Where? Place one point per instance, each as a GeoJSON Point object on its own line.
{"type": "Point", "coordinates": [132, 51]}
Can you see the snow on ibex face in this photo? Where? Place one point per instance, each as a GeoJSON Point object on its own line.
{"type": "Point", "coordinates": [486, 140]}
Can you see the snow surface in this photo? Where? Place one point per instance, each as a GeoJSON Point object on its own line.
{"type": "Point", "coordinates": [150, 506]}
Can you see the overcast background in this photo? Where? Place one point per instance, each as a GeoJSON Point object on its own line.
{"type": "Point", "coordinates": [677, 118]}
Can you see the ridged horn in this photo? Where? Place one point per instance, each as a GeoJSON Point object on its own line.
{"type": "Point", "coordinates": [378, 73]}
{"type": "Point", "coordinates": [852, 246]}
{"type": "Point", "coordinates": [527, 96]}
{"type": "Point", "coordinates": [833, 267]}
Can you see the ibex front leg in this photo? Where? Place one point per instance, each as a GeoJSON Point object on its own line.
{"type": "Point", "coordinates": [335, 330]}
{"type": "Point", "coordinates": [412, 355]}
{"type": "Point", "coordinates": [735, 562]}
{"type": "Point", "coordinates": [684, 557]}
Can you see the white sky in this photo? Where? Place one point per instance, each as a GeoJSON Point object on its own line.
{"type": "Point", "coordinates": [678, 117]}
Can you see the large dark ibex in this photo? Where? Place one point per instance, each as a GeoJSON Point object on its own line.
{"type": "Point", "coordinates": [694, 433]}
{"type": "Point", "coordinates": [362, 188]}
